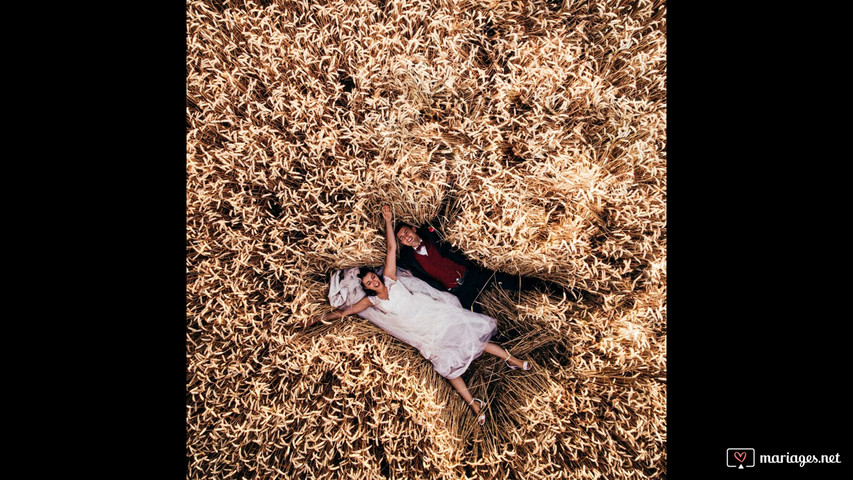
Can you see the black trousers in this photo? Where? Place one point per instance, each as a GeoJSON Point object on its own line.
{"type": "Point", "coordinates": [479, 280]}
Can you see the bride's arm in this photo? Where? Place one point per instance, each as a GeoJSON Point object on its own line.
{"type": "Point", "coordinates": [391, 245]}
{"type": "Point", "coordinates": [357, 307]}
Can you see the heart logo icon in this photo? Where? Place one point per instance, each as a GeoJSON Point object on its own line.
{"type": "Point", "coordinates": [740, 456]}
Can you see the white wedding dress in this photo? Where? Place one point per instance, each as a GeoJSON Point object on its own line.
{"type": "Point", "coordinates": [446, 334]}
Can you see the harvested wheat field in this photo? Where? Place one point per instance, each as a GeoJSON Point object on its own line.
{"type": "Point", "coordinates": [531, 133]}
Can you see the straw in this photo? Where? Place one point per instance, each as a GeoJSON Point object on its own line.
{"type": "Point", "coordinates": [531, 134]}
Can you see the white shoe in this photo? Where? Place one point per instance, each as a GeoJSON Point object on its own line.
{"type": "Point", "coordinates": [481, 419]}
{"type": "Point", "coordinates": [524, 366]}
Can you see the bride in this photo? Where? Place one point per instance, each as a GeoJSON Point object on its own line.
{"type": "Point", "coordinates": [446, 334]}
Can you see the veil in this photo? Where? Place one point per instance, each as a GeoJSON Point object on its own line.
{"type": "Point", "coordinates": [345, 290]}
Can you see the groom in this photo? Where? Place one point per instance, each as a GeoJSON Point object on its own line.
{"type": "Point", "coordinates": [434, 261]}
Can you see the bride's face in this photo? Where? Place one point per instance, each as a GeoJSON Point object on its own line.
{"type": "Point", "coordinates": [371, 281]}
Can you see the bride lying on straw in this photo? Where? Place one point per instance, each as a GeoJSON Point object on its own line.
{"type": "Point", "coordinates": [434, 322]}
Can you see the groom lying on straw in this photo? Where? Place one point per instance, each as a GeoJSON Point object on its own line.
{"type": "Point", "coordinates": [434, 261]}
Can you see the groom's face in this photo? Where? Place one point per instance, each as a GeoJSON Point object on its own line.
{"type": "Point", "coordinates": [408, 237]}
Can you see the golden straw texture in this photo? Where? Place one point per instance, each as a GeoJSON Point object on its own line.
{"type": "Point", "coordinates": [532, 133]}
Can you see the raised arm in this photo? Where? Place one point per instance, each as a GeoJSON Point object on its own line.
{"type": "Point", "coordinates": [358, 307]}
{"type": "Point", "coordinates": [390, 244]}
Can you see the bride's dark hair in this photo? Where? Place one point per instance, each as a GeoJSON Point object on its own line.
{"type": "Point", "coordinates": [362, 271]}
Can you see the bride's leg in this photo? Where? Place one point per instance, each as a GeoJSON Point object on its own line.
{"type": "Point", "coordinates": [462, 389]}
{"type": "Point", "coordinates": [499, 352]}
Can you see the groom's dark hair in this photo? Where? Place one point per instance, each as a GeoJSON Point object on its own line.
{"type": "Point", "coordinates": [401, 225]}
{"type": "Point", "coordinates": [362, 271]}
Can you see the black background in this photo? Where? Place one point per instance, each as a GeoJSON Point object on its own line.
{"type": "Point", "coordinates": [757, 250]}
